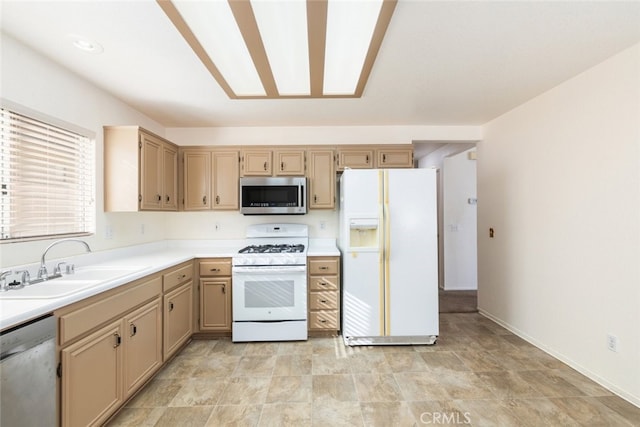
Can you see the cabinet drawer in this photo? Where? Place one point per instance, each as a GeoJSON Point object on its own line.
{"type": "Point", "coordinates": [325, 283]}
{"type": "Point", "coordinates": [215, 268]}
{"type": "Point", "coordinates": [82, 320]}
{"type": "Point", "coordinates": [323, 300]}
{"type": "Point", "coordinates": [323, 319]}
{"type": "Point", "coordinates": [323, 266]}
{"type": "Point", "coordinates": [175, 277]}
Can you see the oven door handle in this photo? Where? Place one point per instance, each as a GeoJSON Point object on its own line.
{"type": "Point", "coordinates": [271, 269]}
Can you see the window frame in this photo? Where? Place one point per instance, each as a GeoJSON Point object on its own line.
{"type": "Point", "coordinates": [90, 187]}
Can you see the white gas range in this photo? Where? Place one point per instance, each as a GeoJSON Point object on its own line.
{"type": "Point", "coordinates": [270, 284]}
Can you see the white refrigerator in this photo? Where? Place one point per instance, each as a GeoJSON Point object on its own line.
{"type": "Point", "coordinates": [388, 240]}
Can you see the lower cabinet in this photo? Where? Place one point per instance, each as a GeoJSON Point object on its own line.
{"type": "Point", "coordinates": [101, 371]}
{"type": "Point", "coordinates": [92, 377]}
{"type": "Point", "coordinates": [215, 295]}
{"type": "Point", "coordinates": [178, 315]}
{"type": "Point", "coordinates": [324, 295]}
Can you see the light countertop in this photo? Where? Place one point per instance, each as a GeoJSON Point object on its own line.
{"type": "Point", "coordinates": [147, 259]}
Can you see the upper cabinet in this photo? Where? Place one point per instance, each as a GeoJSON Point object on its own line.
{"type": "Point", "coordinates": [140, 170]}
{"type": "Point", "coordinates": [289, 162]}
{"type": "Point", "coordinates": [354, 158]}
{"type": "Point", "coordinates": [322, 179]}
{"type": "Point", "coordinates": [210, 179]}
{"type": "Point", "coordinates": [376, 156]}
{"type": "Point", "coordinates": [394, 157]}
{"type": "Point", "coordinates": [256, 162]}
{"type": "Point", "coordinates": [283, 161]}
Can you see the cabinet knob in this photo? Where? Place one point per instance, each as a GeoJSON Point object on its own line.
{"type": "Point", "coordinates": [168, 198]}
{"type": "Point", "coordinates": [204, 200]}
{"type": "Point", "coordinates": [315, 198]}
{"type": "Point", "coordinates": [159, 197]}
{"type": "Point", "coordinates": [217, 200]}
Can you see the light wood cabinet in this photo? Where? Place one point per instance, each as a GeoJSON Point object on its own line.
{"type": "Point", "coordinates": [110, 345]}
{"type": "Point", "coordinates": [142, 345]}
{"type": "Point", "coordinates": [210, 179]}
{"type": "Point", "coordinates": [324, 295]}
{"type": "Point", "coordinates": [376, 156]}
{"type": "Point", "coordinates": [92, 377]}
{"type": "Point", "coordinates": [355, 158]}
{"type": "Point", "coordinates": [197, 180]}
{"type": "Point", "coordinates": [289, 162]}
{"type": "Point", "coordinates": [226, 171]}
{"type": "Point", "coordinates": [256, 162]}
{"type": "Point", "coordinates": [322, 179]}
{"type": "Point", "coordinates": [140, 170]}
{"type": "Point", "coordinates": [178, 310]}
{"type": "Point", "coordinates": [394, 158]}
{"type": "Point", "coordinates": [215, 295]}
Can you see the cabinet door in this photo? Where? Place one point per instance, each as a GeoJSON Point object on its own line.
{"type": "Point", "coordinates": [395, 158]}
{"type": "Point", "coordinates": [289, 162]}
{"type": "Point", "coordinates": [150, 172]}
{"type": "Point", "coordinates": [92, 377]}
{"type": "Point", "coordinates": [142, 345]}
{"type": "Point", "coordinates": [178, 316]}
{"type": "Point", "coordinates": [169, 178]}
{"type": "Point", "coordinates": [197, 180]}
{"type": "Point", "coordinates": [355, 159]}
{"type": "Point", "coordinates": [215, 304]}
{"type": "Point", "coordinates": [322, 180]}
{"type": "Point", "coordinates": [256, 163]}
{"type": "Point", "coordinates": [226, 170]}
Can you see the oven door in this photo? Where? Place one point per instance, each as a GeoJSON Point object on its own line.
{"type": "Point", "coordinates": [269, 293]}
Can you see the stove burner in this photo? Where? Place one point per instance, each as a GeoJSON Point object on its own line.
{"type": "Point", "coordinates": [272, 249]}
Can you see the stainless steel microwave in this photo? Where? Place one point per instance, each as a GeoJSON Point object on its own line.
{"type": "Point", "coordinates": [273, 195]}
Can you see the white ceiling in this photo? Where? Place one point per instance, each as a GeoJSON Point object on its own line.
{"type": "Point", "coordinates": [441, 63]}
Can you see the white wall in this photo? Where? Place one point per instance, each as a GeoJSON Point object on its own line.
{"type": "Point", "coordinates": [559, 181]}
{"type": "Point", "coordinates": [32, 81]}
{"type": "Point", "coordinates": [460, 222]}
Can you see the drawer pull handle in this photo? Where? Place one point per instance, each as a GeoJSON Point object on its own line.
{"type": "Point", "coordinates": [324, 268]}
{"type": "Point", "coordinates": [322, 283]}
{"type": "Point", "coordinates": [134, 330]}
{"type": "Point", "coordinates": [204, 200]}
{"type": "Point", "coordinates": [215, 269]}
{"type": "Point", "coordinates": [118, 340]}
{"type": "Point", "coordinates": [170, 306]}
{"type": "Point", "coordinates": [324, 301]}
{"type": "Point", "coordinates": [323, 321]}
{"type": "Point", "coordinates": [224, 289]}
{"type": "Point", "coordinates": [265, 165]}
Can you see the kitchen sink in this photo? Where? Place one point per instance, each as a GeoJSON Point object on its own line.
{"type": "Point", "coordinates": [83, 278]}
{"type": "Point", "coordinates": [55, 288]}
{"type": "Point", "coordinates": [100, 273]}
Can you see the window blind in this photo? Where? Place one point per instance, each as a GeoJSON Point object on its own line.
{"type": "Point", "coordinates": [46, 179]}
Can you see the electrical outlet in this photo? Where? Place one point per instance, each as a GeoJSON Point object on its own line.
{"type": "Point", "coordinates": [217, 226]}
{"type": "Point", "coordinates": [612, 342]}
{"type": "Point", "coordinates": [108, 232]}
{"type": "Point", "coordinates": [323, 225]}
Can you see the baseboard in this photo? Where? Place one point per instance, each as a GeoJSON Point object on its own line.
{"type": "Point", "coordinates": [634, 400]}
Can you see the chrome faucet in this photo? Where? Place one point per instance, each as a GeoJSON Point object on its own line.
{"type": "Point", "coordinates": [42, 271]}
{"type": "Point", "coordinates": [3, 280]}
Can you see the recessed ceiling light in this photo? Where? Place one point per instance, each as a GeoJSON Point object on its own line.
{"type": "Point", "coordinates": [85, 44]}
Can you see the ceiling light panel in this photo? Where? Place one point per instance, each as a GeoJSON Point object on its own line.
{"type": "Point", "coordinates": [283, 29]}
{"type": "Point", "coordinates": [350, 27]}
{"type": "Point", "coordinates": [214, 26]}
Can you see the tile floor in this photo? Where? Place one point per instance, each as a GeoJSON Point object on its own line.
{"type": "Point", "coordinates": [477, 374]}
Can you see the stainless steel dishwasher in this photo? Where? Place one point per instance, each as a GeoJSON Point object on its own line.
{"type": "Point", "coordinates": [28, 374]}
